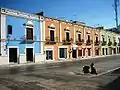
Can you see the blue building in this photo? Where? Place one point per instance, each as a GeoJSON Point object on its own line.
{"type": "Point", "coordinates": [21, 36]}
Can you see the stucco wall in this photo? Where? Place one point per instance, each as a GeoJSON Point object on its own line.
{"type": "Point", "coordinates": [18, 31]}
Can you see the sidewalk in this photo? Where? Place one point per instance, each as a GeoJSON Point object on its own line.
{"type": "Point", "coordinates": [63, 62]}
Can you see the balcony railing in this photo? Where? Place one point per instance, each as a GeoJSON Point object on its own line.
{"type": "Point", "coordinates": [28, 40]}
{"type": "Point", "coordinates": [104, 43]}
{"type": "Point", "coordinates": [67, 42]}
{"type": "Point", "coordinates": [109, 43]}
{"type": "Point", "coordinates": [96, 43]}
{"type": "Point", "coordinates": [89, 42]}
{"type": "Point", "coordinates": [50, 41]}
{"type": "Point", "coordinates": [115, 43]}
{"type": "Point", "coordinates": [80, 42]}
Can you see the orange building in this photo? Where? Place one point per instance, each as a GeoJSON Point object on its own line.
{"type": "Point", "coordinates": [92, 40]}
{"type": "Point", "coordinates": [88, 37]}
{"type": "Point", "coordinates": [59, 38]}
{"type": "Point", "coordinates": [68, 40]}
{"type": "Point", "coordinates": [78, 40]}
{"type": "Point", "coordinates": [96, 42]}
{"type": "Point", "coordinates": [52, 39]}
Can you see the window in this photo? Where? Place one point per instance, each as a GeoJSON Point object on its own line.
{"type": "Point", "coordinates": [29, 34]}
{"type": "Point", "coordinates": [114, 50]}
{"type": "Point", "coordinates": [84, 52]}
{"type": "Point", "coordinates": [79, 37]}
{"type": "Point", "coordinates": [97, 52]}
{"type": "Point", "coordinates": [67, 36]}
{"type": "Point", "coordinates": [96, 39]}
{"type": "Point", "coordinates": [88, 51]}
{"type": "Point", "coordinates": [79, 53]}
{"type": "Point", "coordinates": [103, 51]}
{"type": "Point", "coordinates": [49, 55]}
{"type": "Point", "coordinates": [103, 39]}
{"type": "Point", "coordinates": [9, 29]}
{"type": "Point", "coordinates": [52, 35]}
{"type": "Point", "coordinates": [88, 38]}
{"type": "Point", "coordinates": [63, 52]}
{"type": "Point", "coordinates": [106, 51]}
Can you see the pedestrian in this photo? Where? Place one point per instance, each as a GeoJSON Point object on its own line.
{"type": "Point", "coordinates": [93, 69]}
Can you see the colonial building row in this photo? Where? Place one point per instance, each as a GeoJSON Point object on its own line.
{"type": "Point", "coordinates": [35, 38]}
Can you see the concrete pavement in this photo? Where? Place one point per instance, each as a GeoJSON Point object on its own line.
{"type": "Point", "coordinates": [58, 76]}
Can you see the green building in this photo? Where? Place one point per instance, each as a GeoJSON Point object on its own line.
{"type": "Point", "coordinates": [108, 42]}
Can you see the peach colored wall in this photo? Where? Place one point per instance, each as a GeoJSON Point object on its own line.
{"type": "Point", "coordinates": [96, 31]}
{"type": "Point", "coordinates": [65, 25]}
{"type": "Point", "coordinates": [71, 27]}
{"type": "Point", "coordinates": [98, 34]}
{"type": "Point", "coordinates": [88, 29]}
{"type": "Point", "coordinates": [81, 29]}
{"type": "Point", "coordinates": [48, 22]}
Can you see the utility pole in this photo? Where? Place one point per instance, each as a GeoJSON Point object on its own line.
{"type": "Point", "coordinates": [116, 2]}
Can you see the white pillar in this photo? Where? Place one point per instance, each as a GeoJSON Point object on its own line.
{"type": "Point", "coordinates": [84, 35]}
{"type": "Point", "coordinates": [93, 47]}
{"type": "Point", "coordinates": [3, 34]}
{"type": "Point", "coordinates": [42, 35]}
{"type": "Point", "coordinates": [60, 32]}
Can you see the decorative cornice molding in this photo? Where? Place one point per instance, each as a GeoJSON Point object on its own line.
{"type": "Point", "coordinates": [20, 14]}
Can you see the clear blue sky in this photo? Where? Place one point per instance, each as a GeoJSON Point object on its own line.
{"type": "Point", "coordinates": [92, 12]}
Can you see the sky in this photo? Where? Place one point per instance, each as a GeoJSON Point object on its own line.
{"type": "Point", "coordinates": [92, 12]}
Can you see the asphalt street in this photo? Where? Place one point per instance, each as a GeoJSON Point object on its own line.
{"type": "Point", "coordinates": [62, 75]}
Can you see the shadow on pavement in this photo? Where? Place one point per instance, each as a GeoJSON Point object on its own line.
{"type": "Point", "coordinates": [114, 85]}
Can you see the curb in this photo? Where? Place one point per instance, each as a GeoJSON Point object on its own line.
{"type": "Point", "coordinates": [53, 62]}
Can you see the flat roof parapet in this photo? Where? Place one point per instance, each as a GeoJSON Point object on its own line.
{"type": "Point", "coordinates": [17, 13]}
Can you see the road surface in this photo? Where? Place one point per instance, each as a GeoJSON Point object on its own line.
{"type": "Point", "coordinates": [63, 76]}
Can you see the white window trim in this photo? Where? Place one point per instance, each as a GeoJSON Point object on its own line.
{"type": "Point", "coordinates": [25, 33]}
{"type": "Point", "coordinates": [69, 34]}
{"type": "Point", "coordinates": [49, 48]}
{"type": "Point", "coordinates": [59, 51]}
{"type": "Point", "coordinates": [52, 25]}
{"type": "Point", "coordinates": [54, 33]}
